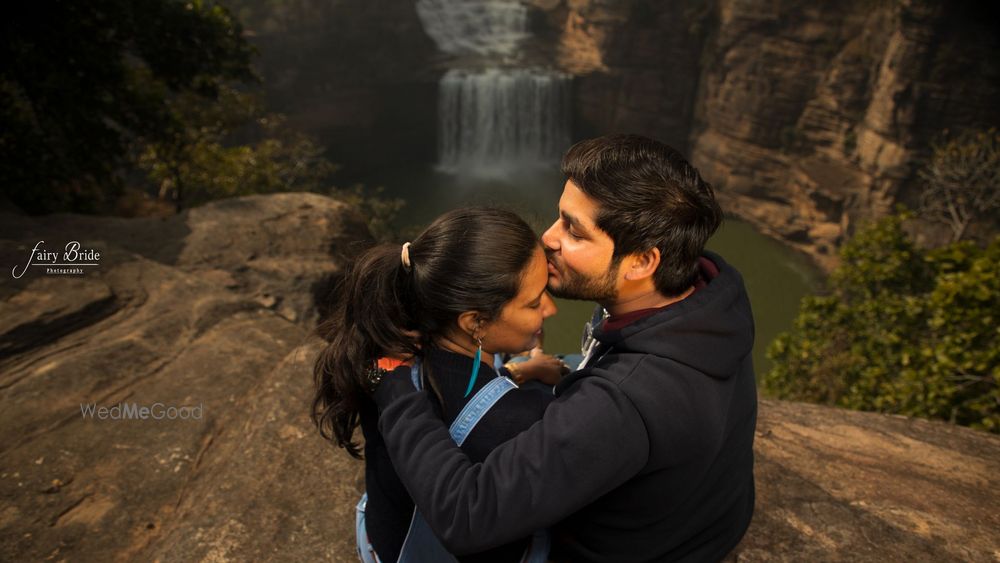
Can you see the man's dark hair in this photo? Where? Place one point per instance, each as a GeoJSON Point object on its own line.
{"type": "Point", "coordinates": [649, 196]}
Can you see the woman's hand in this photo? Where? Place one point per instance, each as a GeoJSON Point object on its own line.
{"type": "Point", "coordinates": [540, 367]}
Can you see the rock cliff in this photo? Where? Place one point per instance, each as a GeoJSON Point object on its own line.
{"type": "Point", "coordinates": [815, 119]}
{"type": "Point", "coordinates": [360, 75]}
{"type": "Point", "coordinates": [807, 118]}
{"type": "Point", "coordinates": [213, 308]}
{"type": "Point", "coordinates": [636, 64]}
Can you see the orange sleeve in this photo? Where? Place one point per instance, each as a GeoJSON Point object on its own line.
{"type": "Point", "coordinates": [389, 364]}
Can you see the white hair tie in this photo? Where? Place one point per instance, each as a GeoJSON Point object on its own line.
{"type": "Point", "coordinates": [404, 256]}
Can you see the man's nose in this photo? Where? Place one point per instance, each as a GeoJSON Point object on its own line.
{"type": "Point", "coordinates": [550, 238]}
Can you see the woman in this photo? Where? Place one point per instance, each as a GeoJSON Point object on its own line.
{"type": "Point", "coordinates": [469, 286]}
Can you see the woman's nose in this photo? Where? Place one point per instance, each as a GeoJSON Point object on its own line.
{"type": "Point", "coordinates": [548, 306]}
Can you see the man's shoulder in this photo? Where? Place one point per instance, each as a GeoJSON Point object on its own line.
{"type": "Point", "coordinates": [611, 371]}
{"type": "Point", "coordinates": [646, 377]}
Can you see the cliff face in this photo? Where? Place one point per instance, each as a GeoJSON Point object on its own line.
{"type": "Point", "coordinates": [358, 74]}
{"type": "Point", "coordinates": [813, 120]}
{"type": "Point", "coordinates": [636, 63]}
{"type": "Point", "coordinates": [807, 119]}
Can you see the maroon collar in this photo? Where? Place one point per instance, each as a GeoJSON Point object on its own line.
{"type": "Point", "coordinates": [707, 271]}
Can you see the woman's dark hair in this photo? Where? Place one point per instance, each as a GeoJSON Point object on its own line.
{"type": "Point", "coordinates": [650, 197]}
{"type": "Point", "coordinates": [470, 259]}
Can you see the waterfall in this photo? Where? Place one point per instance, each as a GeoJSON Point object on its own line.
{"type": "Point", "coordinates": [492, 120]}
{"type": "Point", "coordinates": [494, 117]}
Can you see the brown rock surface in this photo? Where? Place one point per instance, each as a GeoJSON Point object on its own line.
{"type": "Point", "coordinates": [181, 322]}
{"type": "Point", "coordinates": [837, 485]}
{"type": "Point", "coordinates": [175, 315]}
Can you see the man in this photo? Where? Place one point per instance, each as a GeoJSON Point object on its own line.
{"type": "Point", "coordinates": [647, 452]}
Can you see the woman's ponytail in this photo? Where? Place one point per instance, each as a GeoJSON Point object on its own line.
{"type": "Point", "coordinates": [370, 321]}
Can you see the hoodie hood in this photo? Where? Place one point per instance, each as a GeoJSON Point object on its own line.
{"type": "Point", "coordinates": [712, 330]}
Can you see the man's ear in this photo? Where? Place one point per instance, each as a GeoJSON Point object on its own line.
{"type": "Point", "coordinates": [471, 323]}
{"type": "Point", "coordinates": [642, 264]}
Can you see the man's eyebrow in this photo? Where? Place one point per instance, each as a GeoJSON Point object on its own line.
{"type": "Point", "coordinates": [573, 221]}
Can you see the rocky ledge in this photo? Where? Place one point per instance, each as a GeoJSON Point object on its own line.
{"type": "Point", "coordinates": [212, 310]}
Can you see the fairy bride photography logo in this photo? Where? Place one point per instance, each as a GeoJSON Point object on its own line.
{"type": "Point", "coordinates": [73, 259]}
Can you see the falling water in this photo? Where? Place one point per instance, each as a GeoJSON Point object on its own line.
{"type": "Point", "coordinates": [493, 118]}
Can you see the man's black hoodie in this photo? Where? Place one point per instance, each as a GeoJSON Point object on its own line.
{"type": "Point", "coordinates": [645, 455]}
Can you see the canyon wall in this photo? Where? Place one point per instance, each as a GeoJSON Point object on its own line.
{"type": "Point", "coordinates": [807, 118]}
{"type": "Point", "coordinates": [359, 75]}
{"type": "Point", "coordinates": [636, 64]}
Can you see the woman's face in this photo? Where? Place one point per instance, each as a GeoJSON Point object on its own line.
{"type": "Point", "coordinates": [519, 326]}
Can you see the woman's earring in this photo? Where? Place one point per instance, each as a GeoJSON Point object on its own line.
{"type": "Point", "coordinates": [475, 366]}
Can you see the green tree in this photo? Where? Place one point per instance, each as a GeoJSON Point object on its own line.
{"type": "Point", "coordinates": [231, 148]}
{"type": "Point", "coordinates": [81, 81]}
{"type": "Point", "coordinates": [901, 330]}
{"type": "Point", "coordinates": [114, 98]}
